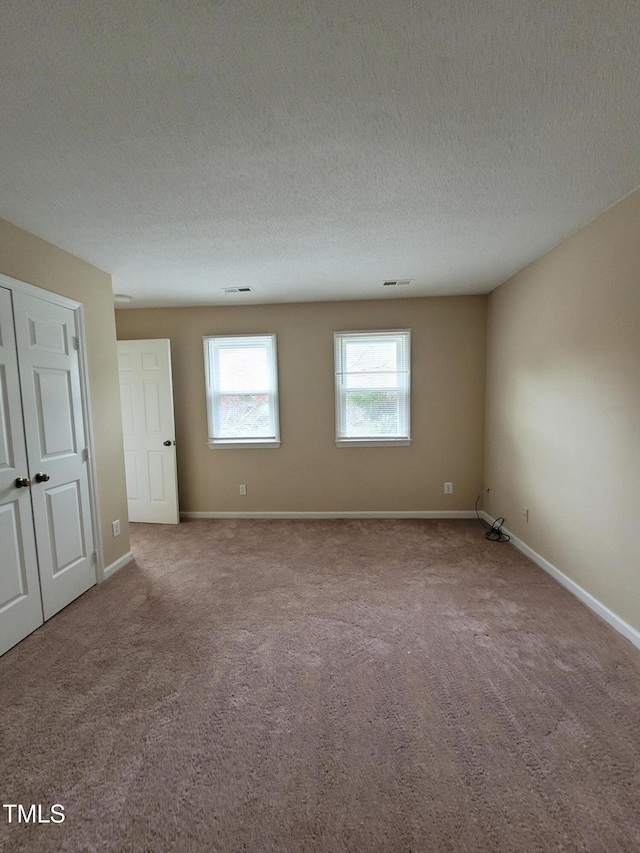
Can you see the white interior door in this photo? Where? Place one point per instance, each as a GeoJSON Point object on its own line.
{"type": "Point", "coordinates": [57, 449]}
{"type": "Point", "coordinates": [20, 602]}
{"type": "Point", "coordinates": [146, 391]}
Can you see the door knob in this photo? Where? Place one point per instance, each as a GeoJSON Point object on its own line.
{"type": "Point", "coordinates": [167, 443]}
{"type": "Point", "coordinates": [42, 478]}
{"type": "Point", "coordinates": [22, 482]}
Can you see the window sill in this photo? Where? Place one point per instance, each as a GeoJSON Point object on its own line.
{"type": "Point", "coordinates": [373, 442]}
{"type": "Point", "coordinates": [240, 445]}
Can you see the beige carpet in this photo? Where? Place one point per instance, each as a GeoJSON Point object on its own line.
{"type": "Point", "coordinates": [324, 686]}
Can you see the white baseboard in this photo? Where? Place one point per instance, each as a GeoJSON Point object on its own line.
{"type": "Point", "coordinates": [580, 593]}
{"type": "Point", "coordinates": [118, 564]}
{"type": "Point", "coordinates": [311, 515]}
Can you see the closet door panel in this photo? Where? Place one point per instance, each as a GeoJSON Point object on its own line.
{"type": "Point", "coordinates": [20, 602]}
{"type": "Point", "coordinates": [56, 446]}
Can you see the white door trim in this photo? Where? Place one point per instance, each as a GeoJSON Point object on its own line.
{"type": "Point", "coordinates": [93, 486]}
{"type": "Point", "coordinates": [40, 293]}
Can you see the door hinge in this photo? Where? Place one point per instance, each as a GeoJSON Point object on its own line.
{"type": "Point", "coordinates": [94, 557]}
{"type": "Point", "coordinates": [85, 455]}
{"type": "Point", "coordinates": [76, 343]}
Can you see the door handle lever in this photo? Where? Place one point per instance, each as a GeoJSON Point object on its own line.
{"type": "Point", "coordinates": [168, 443]}
{"type": "Point", "coordinates": [42, 478]}
{"type": "Point", "coordinates": [22, 482]}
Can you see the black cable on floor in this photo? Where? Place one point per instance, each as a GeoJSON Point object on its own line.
{"type": "Point", "coordinates": [494, 531]}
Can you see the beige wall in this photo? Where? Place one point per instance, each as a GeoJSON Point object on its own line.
{"type": "Point", "coordinates": [30, 259]}
{"type": "Point", "coordinates": [308, 472]}
{"type": "Point", "coordinates": [563, 407]}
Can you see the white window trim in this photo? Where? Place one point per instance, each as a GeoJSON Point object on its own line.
{"type": "Point", "coordinates": [374, 441]}
{"type": "Point", "coordinates": [234, 444]}
{"type": "Point", "coordinates": [249, 442]}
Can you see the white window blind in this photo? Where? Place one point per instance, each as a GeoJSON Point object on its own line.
{"type": "Point", "coordinates": [242, 391]}
{"type": "Point", "coordinates": [372, 387]}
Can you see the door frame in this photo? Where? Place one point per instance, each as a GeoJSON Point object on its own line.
{"type": "Point", "coordinates": [15, 284]}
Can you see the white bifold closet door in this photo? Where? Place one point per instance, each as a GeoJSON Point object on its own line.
{"type": "Point", "coordinates": [46, 533]}
{"type": "Point", "coordinates": [20, 602]}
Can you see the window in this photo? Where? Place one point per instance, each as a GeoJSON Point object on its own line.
{"type": "Point", "coordinates": [372, 387]}
{"type": "Point", "coordinates": [242, 391]}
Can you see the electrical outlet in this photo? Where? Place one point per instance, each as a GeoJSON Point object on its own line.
{"type": "Point", "coordinates": [448, 488]}
{"type": "Point", "coordinates": [115, 526]}
{"type": "Point", "coordinates": [525, 513]}
{"type": "Point", "coordinates": [243, 490]}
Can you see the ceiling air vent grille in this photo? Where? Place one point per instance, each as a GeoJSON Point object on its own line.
{"type": "Point", "coordinates": [398, 282]}
{"type": "Point", "coordinates": [237, 290]}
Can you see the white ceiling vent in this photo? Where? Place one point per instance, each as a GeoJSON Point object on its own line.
{"type": "Point", "coordinates": [397, 282]}
{"type": "Point", "coordinates": [237, 290]}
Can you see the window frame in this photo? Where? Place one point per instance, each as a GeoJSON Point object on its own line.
{"type": "Point", "coordinates": [404, 388]}
{"type": "Point", "coordinates": [213, 343]}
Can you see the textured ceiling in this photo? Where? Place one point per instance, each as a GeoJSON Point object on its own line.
{"type": "Point", "coordinates": [312, 149]}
